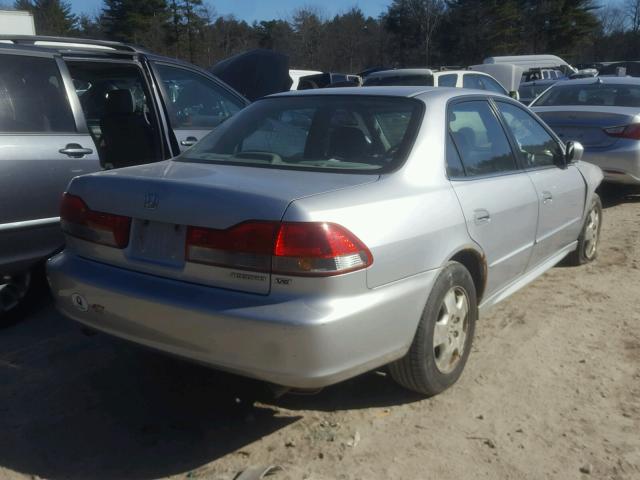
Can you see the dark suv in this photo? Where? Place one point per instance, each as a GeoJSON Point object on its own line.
{"type": "Point", "coordinates": [74, 106]}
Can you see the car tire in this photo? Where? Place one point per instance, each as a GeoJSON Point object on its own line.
{"type": "Point", "coordinates": [18, 293]}
{"type": "Point", "coordinates": [443, 339]}
{"type": "Point", "coordinates": [587, 249]}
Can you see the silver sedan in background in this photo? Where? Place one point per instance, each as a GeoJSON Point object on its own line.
{"type": "Point", "coordinates": [603, 114]}
{"type": "Point", "coordinates": [317, 235]}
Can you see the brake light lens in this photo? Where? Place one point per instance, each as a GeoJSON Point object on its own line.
{"type": "Point", "coordinates": [288, 248]}
{"type": "Point", "coordinates": [310, 248]}
{"type": "Point", "coordinates": [631, 131]}
{"type": "Point", "coordinates": [78, 220]}
{"type": "Point", "coordinates": [245, 246]}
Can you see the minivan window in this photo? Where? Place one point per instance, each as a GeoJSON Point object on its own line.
{"type": "Point", "coordinates": [480, 139]}
{"type": "Point", "coordinates": [32, 96]}
{"type": "Point", "coordinates": [355, 133]}
{"type": "Point", "coordinates": [196, 101]}
{"type": "Point", "coordinates": [448, 80]}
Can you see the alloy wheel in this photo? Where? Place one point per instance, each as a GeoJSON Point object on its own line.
{"type": "Point", "coordinates": [450, 331]}
{"type": "Point", "coordinates": [591, 234]}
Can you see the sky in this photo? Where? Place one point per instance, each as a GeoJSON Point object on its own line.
{"type": "Point", "coordinates": [251, 10]}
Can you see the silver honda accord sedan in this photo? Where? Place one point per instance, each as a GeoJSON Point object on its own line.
{"type": "Point", "coordinates": [317, 235]}
{"type": "Point", "coordinates": [603, 114]}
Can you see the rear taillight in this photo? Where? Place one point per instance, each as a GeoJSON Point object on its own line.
{"type": "Point", "coordinates": [245, 246]}
{"type": "Point", "coordinates": [304, 248]}
{"type": "Point", "coordinates": [78, 220]}
{"type": "Point", "coordinates": [318, 249]}
{"type": "Point", "coordinates": [631, 131]}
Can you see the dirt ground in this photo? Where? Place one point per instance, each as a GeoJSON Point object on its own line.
{"type": "Point", "coordinates": [551, 390]}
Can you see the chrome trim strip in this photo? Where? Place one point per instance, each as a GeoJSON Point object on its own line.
{"type": "Point", "coordinates": [39, 222]}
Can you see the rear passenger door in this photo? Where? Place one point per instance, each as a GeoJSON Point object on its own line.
{"type": "Point", "coordinates": [498, 199]}
{"type": "Point", "coordinates": [561, 189]}
{"type": "Point", "coordinates": [196, 102]}
{"type": "Point", "coordinates": [44, 142]}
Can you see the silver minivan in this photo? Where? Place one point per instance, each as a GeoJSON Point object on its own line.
{"type": "Point", "coordinates": [70, 107]}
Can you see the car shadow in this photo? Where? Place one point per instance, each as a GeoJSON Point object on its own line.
{"type": "Point", "coordinates": [613, 195]}
{"type": "Point", "coordinates": [370, 390]}
{"type": "Point", "coordinates": [79, 407]}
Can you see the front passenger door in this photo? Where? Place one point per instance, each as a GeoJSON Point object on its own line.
{"type": "Point", "coordinates": [561, 189]}
{"type": "Point", "coordinates": [196, 103]}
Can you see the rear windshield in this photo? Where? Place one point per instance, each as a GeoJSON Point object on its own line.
{"type": "Point", "coordinates": [413, 80]}
{"type": "Point", "coordinates": [593, 94]}
{"type": "Point", "coordinates": [341, 133]}
{"type": "Point", "coordinates": [531, 91]}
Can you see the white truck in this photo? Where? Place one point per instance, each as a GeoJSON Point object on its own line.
{"type": "Point", "coordinates": [16, 22]}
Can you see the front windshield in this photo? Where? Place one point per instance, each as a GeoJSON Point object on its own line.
{"type": "Point", "coordinates": [408, 80]}
{"type": "Point", "coordinates": [591, 94]}
{"type": "Point", "coordinates": [319, 132]}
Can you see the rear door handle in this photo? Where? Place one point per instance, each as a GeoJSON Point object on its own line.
{"type": "Point", "coordinates": [75, 150]}
{"type": "Point", "coordinates": [481, 216]}
{"type": "Point", "coordinates": [189, 141]}
{"type": "Point", "coordinates": [547, 197]}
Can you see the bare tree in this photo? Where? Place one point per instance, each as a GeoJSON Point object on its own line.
{"type": "Point", "coordinates": [612, 18]}
{"type": "Point", "coordinates": [632, 11]}
{"type": "Point", "coordinates": [429, 14]}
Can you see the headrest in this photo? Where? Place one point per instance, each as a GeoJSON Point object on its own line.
{"type": "Point", "coordinates": [120, 101]}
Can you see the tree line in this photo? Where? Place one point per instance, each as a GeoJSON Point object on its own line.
{"type": "Point", "coordinates": [414, 33]}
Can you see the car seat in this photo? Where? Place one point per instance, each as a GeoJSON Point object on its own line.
{"type": "Point", "coordinates": [127, 136]}
{"type": "Point", "coordinates": [348, 143]}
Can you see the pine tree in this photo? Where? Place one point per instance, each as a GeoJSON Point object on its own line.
{"type": "Point", "coordinates": [141, 22]}
{"type": "Point", "coordinates": [51, 17]}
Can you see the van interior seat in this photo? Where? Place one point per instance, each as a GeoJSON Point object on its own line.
{"type": "Point", "coordinates": [127, 136]}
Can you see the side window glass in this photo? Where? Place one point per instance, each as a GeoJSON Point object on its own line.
{"type": "Point", "coordinates": [454, 164]}
{"type": "Point", "coordinates": [480, 139]}
{"type": "Point", "coordinates": [447, 80]}
{"type": "Point", "coordinates": [32, 96]}
{"type": "Point", "coordinates": [537, 147]}
{"type": "Point", "coordinates": [492, 85]}
{"type": "Point", "coordinates": [195, 102]}
{"type": "Point", "coordinates": [471, 81]}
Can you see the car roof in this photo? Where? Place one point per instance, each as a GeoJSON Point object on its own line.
{"type": "Point", "coordinates": [613, 80]}
{"type": "Point", "coordinates": [425, 93]}
{"type": "Point", "coordinates": [85, 47]}
{"type": "Point", "coordinates": [400, 71]}
{"type": "Point", "coordinates": [543, 82]}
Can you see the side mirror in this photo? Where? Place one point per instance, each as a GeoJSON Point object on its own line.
{"type": "Point", "coordinates": [514, 94]}
{"type": "Point", "coordinates": [573, 152]}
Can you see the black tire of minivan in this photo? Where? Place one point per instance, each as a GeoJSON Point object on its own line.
{"type": "Point", "coordinates": [418, 370]}
{"type": "Point", "coordinates": [33, 295]}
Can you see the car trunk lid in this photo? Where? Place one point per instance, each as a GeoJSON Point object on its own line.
{"type": "Point", "coordinates": [164, 198]}
{"type": "Point", "coordinates": [586, 124]}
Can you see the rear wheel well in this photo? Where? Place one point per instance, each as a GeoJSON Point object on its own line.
{"type": "Point", "coordinates": [474, 262]}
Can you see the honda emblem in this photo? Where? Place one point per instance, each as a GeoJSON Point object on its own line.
{"type": "Point", "coordinates": [151, 201]}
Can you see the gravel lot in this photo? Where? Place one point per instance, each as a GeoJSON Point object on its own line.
{"type": "Point", "coordinates": [552, 390]}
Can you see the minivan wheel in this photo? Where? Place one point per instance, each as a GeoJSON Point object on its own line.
{"type": "Point", "coordinates": [589, 239]}
{"type": "Point", "coordinates": [13, 291]}
{"type": "Point", "coordinates": [442, 342]}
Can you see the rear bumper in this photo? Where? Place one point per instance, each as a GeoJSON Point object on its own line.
{"type": "Point", "coordinates": [621, 165]}
{"type": "Point", "coordinates": [297, 342]}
